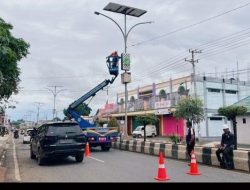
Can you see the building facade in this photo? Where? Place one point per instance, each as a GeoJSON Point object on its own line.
{"type": "Point", "coordinates": [243, 123]}
{"type": "Point", "coordinates": [161, 99]}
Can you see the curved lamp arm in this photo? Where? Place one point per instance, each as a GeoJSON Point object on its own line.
{"type": "Point", "coordinates": [150, 22]}
{"type": "Point", "coordinates": [98, 13]}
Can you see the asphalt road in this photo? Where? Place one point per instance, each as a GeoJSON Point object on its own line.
{"type": "Point", "coordinates": [112, 166]}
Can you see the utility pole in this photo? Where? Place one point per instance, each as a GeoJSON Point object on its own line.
{"type": "Point", "coordinates": [238, 77]}
{"type": "Point", "coordinates": [248, 72]}
{"type": "Point", "coordinates": [55, 92]}
{"type": "Point", "coordinates": [238, 82]}
{"type": "Point", "coordinates": [38, 108]}
{"type": "Point", "coordinates": [193, 61]}
{"type": "Point", "coordinates": [107, 89]}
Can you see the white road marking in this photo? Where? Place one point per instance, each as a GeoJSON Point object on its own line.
{"type": "Point", "coordinates": [17, 173]}
{"type": "Point", "coordinates": [96, 159]}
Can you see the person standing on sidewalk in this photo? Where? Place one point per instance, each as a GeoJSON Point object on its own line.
{"type": "Point", "coordinates": [190, 138]}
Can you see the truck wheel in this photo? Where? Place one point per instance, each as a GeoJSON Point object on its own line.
{"type": "Point", "coordinates": [105, 148]}
{"type": "Point", "coordinates": [79, 158]}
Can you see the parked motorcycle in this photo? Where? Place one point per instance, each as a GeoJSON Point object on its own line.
{"type": "Point", "coordinates": [16, 135]}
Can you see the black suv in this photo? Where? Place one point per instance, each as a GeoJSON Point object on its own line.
{"type": "Point", "coordinates": [57, 139]}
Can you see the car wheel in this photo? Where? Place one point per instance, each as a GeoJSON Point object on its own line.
{"type": "Point", "coordinates": [105, 148]}
{"type": "Point", "coordinates": [153, 135]}
{"type": "Point", "coordinates": [32, 155]}
{"type": "Point", "coordinates": [79, 157]}
{"type": "Point", "coordinates": [139, 136]}
{"type": "Point", "coordinates": [40, 159]}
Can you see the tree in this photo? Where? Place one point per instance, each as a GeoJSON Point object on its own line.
{"type": "Point", "coordinates": [114, 123]}
{"type": "Point", "coordinates": [231, 112]}
{"type": "Point", "coordinates": [190, 109]}
{"type": "Point", "coordinates": [101, 122]}
{"type": "Point", "coordinates": [122, 101]}
{"type": "Point", "coordinates": [12, 50]}
{"type": "Point", "coordinates": [17, 123]}
{"type": "Point", "coordinates": [57, 119]}
{"type": "Point", "coordinates": [162, 94]}
{"type": "Point", "coordinates": [132, 99]}
{"type": "Point", "coordinates": [146, 119]}
{"type": "Point", "coordinates": [2, 111]}
{"type": "Point", "coordinates": [181, 90]}
{"type": "Point", "coordinates": [82, 109]}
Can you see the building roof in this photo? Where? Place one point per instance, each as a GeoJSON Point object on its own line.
{"type": "Point", "coordinates": [244, 102]}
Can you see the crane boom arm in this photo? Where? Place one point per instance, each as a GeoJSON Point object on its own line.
{"type": "Point", "coordinates": [89, 94]}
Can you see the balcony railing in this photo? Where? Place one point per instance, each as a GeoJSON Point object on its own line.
{"type": "Point", "coordinates": [146, 104]}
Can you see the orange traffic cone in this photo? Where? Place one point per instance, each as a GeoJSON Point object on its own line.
{"type": "Point", "coordinates": [87, 151]}
{"type": "Point", "coordinates": [162, 176]}
{"type": "Point", "coordinates": [193, 166]}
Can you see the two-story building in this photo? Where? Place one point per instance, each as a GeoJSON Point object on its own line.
{"type": "Point", "coordinates": [161, 99]}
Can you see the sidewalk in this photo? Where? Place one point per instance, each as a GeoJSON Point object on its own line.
{"type": "Point", "coordinates": [3, 141]}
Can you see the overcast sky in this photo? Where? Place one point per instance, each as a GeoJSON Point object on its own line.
{"type": "Point", "coordinates": [69, 44]}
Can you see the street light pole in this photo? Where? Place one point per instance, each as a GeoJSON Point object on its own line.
{"type": "Point", "coordinates": [125, 37]}
{"type": "Point", "coordinates": [55, 92]}
{"type": "Point", "coordinates": [38, 109]}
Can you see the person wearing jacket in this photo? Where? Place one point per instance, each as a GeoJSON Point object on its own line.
{"type": "Point", "coordinates": [190, 138]}
{"type": "Point", "coordinates": [226, 149]}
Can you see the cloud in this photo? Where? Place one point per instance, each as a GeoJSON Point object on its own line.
{"type": "Point", "coordinates": [69, 44]}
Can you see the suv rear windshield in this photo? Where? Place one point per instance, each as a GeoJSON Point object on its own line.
{"type": "Point", "coordinates": [62, 129]}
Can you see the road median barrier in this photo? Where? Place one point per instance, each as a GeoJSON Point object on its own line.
{"type": "Point", "coordinates": [204, 155]}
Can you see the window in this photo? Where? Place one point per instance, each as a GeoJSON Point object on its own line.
{"type": "Point", "coordinates": [213, 90]}
{"type": "Point", "coordinates": [244, 120]}
{"type": "Point", "coordinates": [63, 129]}
{"type": "Point", "coordinates": [231, 91]}
{"type": "Point", "coordinates": [215, 118]}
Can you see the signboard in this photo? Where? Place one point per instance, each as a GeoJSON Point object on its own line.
{"type": "Point", "coordinates": [126, 77]}
{"type": "Point", "coordinates": [163, 104]}
{"type": "Point", "coordinates": [125, 61]}
{"type": "Point", "coordinates": [162, 111]}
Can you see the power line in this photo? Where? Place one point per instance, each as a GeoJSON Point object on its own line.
{"type": "Point", "coordinates": [191, 25]}
{"type": "Point", "coordinates": [235, 37]}
{"type": "Point", "coordinates": [173, 60]}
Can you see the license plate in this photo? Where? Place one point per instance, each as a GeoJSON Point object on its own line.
{"type": "Point", "coordinates": [101, 139]}
{"type": "Point", "coordinates": [65, 141]}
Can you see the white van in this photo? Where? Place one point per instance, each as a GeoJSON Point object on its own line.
{"type": "Point", "coordinates": [150, 131]}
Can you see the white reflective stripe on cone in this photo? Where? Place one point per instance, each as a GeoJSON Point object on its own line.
{"type": "Point", "coordinates": [193, 160]}
{"type": "Point", "coordinates": [161, 166]}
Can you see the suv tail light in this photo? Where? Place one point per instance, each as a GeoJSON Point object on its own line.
{"type": "Point", "coordinates": [80, 138]}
